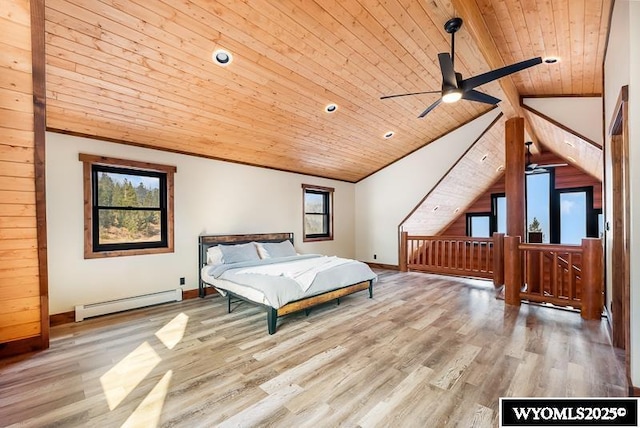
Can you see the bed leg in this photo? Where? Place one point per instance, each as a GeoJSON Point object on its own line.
{"type": "Point", "coordinates": [371, 289]}
{"type": "Point", "coordinates": [272, 319]}
{"type": "Point", "coordinates": [228, 303]}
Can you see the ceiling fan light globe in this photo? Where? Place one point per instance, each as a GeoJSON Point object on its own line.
{"type": "Point", "coordinates": [452, 95]}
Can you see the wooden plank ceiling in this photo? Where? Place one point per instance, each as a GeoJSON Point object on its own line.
{"type": "Point", "coordinates": [142, 72]}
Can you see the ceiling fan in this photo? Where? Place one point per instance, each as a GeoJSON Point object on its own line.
{"type": "Point", "coordinates": [454, 87]}
{"type": "Point", "coordinates": [534, 168]}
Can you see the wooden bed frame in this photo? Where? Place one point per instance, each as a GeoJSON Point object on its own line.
{"type": "Point", "coordinates": [206, 241]}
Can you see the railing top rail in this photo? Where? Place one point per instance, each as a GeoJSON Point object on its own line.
{"type": "Point", "coordinates": [564, 248]}
{"type": "Point", "coordinates": [447, 238]}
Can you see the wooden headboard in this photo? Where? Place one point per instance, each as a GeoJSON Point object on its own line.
{"type": "Point", "coordinates": [206, 241]}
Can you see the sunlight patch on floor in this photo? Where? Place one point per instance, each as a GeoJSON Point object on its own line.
{"type": "Point", "coordinates": [173, 331]}
{"type": "Point", "coordinates": [122, 378]}
{"type": "Point", "coordinates": [147, 414]}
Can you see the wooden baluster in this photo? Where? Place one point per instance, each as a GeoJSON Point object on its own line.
{"type": "Point", "coordinates": [554, 275]}
{"type": "Point", "coordinates": [512, 270]}
{"type": "Point", "coordinates": [592, 279]}
{"type": "Point", "coordinates": [403, 251]}
{"type": "Point", "coordinates": [498, 259]}
{"type": "Point", "coordinates": [572, 279]}
{"type": "Point", "coordinates": [533, 271]}
{"type": "Point", "coordinates": [540, 285]}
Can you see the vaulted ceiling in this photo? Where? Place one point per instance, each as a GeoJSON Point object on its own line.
{"type": "Point", "coordinates": [142, 73]}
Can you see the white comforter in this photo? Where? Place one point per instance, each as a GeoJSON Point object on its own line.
{"type": "Point", "coordinates": [301, 271]}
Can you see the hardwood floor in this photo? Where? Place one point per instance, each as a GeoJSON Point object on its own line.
{"type": "Point", "coordinates": [425, 351]}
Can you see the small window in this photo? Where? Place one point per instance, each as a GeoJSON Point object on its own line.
{"type": "Point", "coordinates": [478, 225]}
{"type": "Point", "coordinates": [128, 207]}
{"type": "Point", "coordinates": [318, 213]}
{"type": "Point", "coordinates": [498, 213]}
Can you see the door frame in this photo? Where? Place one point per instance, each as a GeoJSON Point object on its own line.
{"type": "Point", "coordinates": [617, 224]}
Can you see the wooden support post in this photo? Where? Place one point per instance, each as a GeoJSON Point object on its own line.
{"type": "Point", "coordinates": [498, 259]}
{"type": "Point", "coordinates": [403, 252]}
{"type": "Point", "coordinates": [512, 270]}
{"type": "Point", "coordinates": [514, 176]}
{"type": "Point", "coordinates": [592, 278]}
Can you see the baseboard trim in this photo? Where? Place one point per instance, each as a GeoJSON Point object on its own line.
{"type": "Point", "coordinates": [62, 318]}
{"type": "Point", "coordinates": [69, 317]}
{"type": "Point", "coordinates": [21, 346]}
{"type": "Point", "coordinates": [192, 294]}
{"type": "Point", "coordinates": [383, 266]}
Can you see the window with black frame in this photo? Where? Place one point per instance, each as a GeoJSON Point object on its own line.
{"type": "Point", "coordinates": [318, 213]}
{"type": "Point", "coordinates": [479, 225]}
{"type": "Point", "coordinates": [130, 209]}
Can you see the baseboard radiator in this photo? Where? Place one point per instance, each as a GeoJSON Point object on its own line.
{"type": "Point", "coordinates": [112, 306]}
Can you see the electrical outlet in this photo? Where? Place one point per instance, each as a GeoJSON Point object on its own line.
{"type": "Point", "coordinates": [375, 256]}
{"type": "Point", "coordinates": [182, 280]}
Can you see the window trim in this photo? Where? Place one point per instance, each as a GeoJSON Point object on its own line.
{"type": "Point", "coordinates": [328, 191]}
{"type": "Point", "coordinates": [493, 220]}
{"type": "Point", "coordinates": [470, 217]}
{"type": "Point", "coordinates": [88, 161]}
{"type": "Point", "coordinates": [590, 212]}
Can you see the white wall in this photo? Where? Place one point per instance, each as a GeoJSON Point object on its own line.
{"type": "Point", "coordinates": [622, 67]}
{"type": "Point", "coordinates": [634, 161]}
{"type": "Point", "coordinates": [616, 75]}
{"type": "Point", "coordinates": [385, 198]}
{"type": "Point", "coordinates": [211, 197]}
{"type": "Point", "coordinates": [571, 112]}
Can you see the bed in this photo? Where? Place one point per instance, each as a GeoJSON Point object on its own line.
{"type": "Point", "coordinates": [265, 269]}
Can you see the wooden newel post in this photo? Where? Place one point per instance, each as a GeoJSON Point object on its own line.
{"type": "Point", "coordinates": [498, 259]}
{"type": "Point", "coordinates": [512, 270]}
{"type": "Point", "coordinates": [592, 278]}
{"type": "Point", "coordinates": [403, 251]}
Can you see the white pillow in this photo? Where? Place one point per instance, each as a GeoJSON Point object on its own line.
{"type": "Point", "coordinates": [214, 255]}
{"type": "Point", "coordinates": [239, 253]}
{"type": "Point", "coordinates": [279, 249]}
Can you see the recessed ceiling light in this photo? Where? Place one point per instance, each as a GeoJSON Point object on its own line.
{"type": "Point", "coordinates": [569, 143]}
{"type": "Point", "coordinates": [456, 210]}
{"type": "Point", "coordinates": [500, 168]}
{"type": "Point", "coordinates": [330, 108]}
{"type": "Point", "coordinates": [551, 60]}
{"type": "Point", "coordinates": [571, 159]}
{"type": "Point", "coordinates": [389, 134]}
{"type": "Point", "coordinates": [436, 208]}
{"type": "Point", "coordinates": [222, 57]}
{"type": "Point", "coordinates": [484, 158]}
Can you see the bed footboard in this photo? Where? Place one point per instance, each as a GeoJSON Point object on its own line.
{"type": "Point", "coordinates": [298, 305]}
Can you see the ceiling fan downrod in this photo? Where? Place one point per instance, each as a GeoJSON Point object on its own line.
{"type": "Point", "coordinates": [451, 27]}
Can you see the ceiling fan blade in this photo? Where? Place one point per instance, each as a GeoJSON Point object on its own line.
{"type": "Point", "coordinates": [492, 75]}
{"type": "Point", "coordinates": [448, 74]}
{"type": "Point", "coordinates": [553, 165]}
{"type": "Point", "coordinates": [480, 97]}
{"type": "Point", "coordinates": [410, 93]}
{"type": "Point", "coordinates": [431, 107]}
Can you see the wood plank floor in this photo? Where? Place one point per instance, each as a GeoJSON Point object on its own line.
{"type": "Point", "coordinates": [425, 351]}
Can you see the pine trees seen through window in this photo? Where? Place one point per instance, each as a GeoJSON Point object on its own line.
{"type": "Point", "coordinates": [128, 207]}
